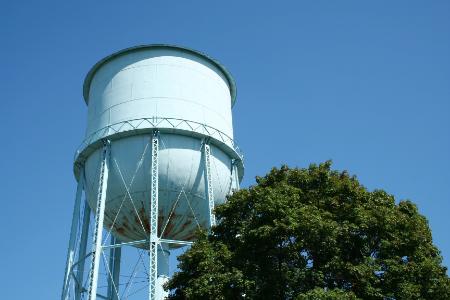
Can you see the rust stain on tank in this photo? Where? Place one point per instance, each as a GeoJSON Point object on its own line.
{"type": "Point", "coordinates": [188, 237]}
{"type": "Point", "coordinates": [146, 224]}
{"type": "Point", "coordinates": [182, 228]}
{"type": "Point", "coordinates": [169, 226]}
{"type": "Point", "coordinates": [186, 224]}
{"type": "Point", "coordinates": [161, 218]}
{"type": "Point", "coordinates": [120, 231]}
{"type": "Point", "coordinates": [134, 224]}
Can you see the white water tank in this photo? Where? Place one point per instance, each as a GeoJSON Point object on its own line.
{"type": "Point", "coordinates": [187, 97]}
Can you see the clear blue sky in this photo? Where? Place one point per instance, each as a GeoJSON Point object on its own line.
{"type": "Point", "coordinates": [366, 84]}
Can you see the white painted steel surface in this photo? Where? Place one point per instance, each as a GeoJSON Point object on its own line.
{"type": "Point", "coordinates": [159, 82]}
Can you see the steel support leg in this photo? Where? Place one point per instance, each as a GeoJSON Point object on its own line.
{"type": "Point", "coordinates": [111, 284]}
{"type": "Point", "coordinates": [82, 251]}
{"type": "Point", "coordinates": [114, 266]}
{"type": "Point", "coordinates": [153, 247]}
{"type": "Point", "coordinates": [116, 270]}
{"type": "Point", "coordinates": [99, 216]}
{"type": "Point", "coordinates": [235, 175]}
{"type": "Point", "coordinates": [209, 185]}
{"type": "Point", "coordinates": [73, 236]}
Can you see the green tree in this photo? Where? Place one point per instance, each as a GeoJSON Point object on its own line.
{"type": "Point", "coordinates": [313, 233]}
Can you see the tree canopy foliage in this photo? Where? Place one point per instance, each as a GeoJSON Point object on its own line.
{"type": "Point", "coordinates": [313, 233]}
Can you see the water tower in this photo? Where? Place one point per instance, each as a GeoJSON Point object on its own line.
{"type": "Point", "coordinates": [158, 155]}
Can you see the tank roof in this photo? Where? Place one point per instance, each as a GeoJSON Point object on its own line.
{"type": "Point", "coordinates": [99, 64]}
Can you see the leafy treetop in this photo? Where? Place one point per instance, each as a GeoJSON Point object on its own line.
{"type": "Point", "coordinates": [313, 233]}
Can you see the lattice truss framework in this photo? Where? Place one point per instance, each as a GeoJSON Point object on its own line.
{"type": "Point", "coordinates": [115, 269]}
